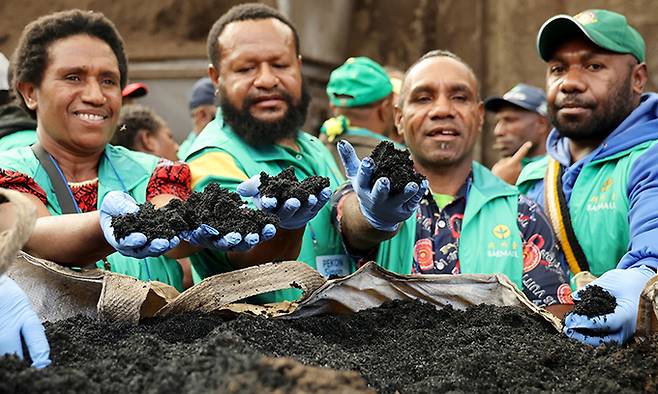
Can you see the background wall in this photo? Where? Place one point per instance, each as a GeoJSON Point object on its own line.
{"type": "Point", "coordinates": [165, 39]}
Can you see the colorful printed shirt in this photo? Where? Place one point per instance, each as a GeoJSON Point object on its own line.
{"type": "Point", "coordinates": [167, 178]}
{"type": "Point", "coordinates": [437, 244]}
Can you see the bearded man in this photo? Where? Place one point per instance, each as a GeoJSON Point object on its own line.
{"type": "Point", "coordinates": [256, 68]}
{"type": "Point", "coordinates": [600, 183]}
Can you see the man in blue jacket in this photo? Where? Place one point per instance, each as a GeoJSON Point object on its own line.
{"type": "Point", "coordinates": [600, 183]}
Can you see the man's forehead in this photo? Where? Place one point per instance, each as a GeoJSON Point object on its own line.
{"type": "Point", "coordinates": [441, 70]}
{"type": "Point", "coordinates": [252, 32]}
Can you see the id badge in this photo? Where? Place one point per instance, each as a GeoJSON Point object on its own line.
{"type": "Point", "coordinates": [331, 266]}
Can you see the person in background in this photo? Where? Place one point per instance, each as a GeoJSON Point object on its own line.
{"type": "Point", "coordinates": [521, 129]}
{"type": "Point", "coordinates": [256, 68]}
{"type": "Point", "coordinates": [462, 219]}
{"type": "Point", "coordinates": [142, 130]}
{"type": "Point", "coordinates": [600, 181]}
{"type": "Point", "coordinates": [203, 105]}
{"type": "Point", "coordinates": [133, 91]}
{"type": "Point", "coordinates": [360, 97]}
{"type": "Point", "coordinates": [17, 126]}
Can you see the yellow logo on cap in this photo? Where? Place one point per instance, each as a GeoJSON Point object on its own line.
{"type": "Point", "coordinates": [501, 231]}
{"type": "Point", "coordinates": [586, 17]}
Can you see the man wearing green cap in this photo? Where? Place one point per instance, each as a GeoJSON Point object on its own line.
{"type": "Point", "coordinates": [600, 183]}
{"type": "Point", "coordinates": [360, 94]}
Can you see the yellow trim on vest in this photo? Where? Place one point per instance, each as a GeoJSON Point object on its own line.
{"type": "Point", "coordinates": [216, 164]}
{"type": "Point", "coordinates": [555, 215]}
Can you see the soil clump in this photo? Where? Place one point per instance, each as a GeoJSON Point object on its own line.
{"type": "Point", "coordinates": [215, 206]}
{"type": "Point", "coordinates": [394, 164]}
{"type": "Point", "coordinates": [595, 301]}
{"type": "Point", "coordinates": [405, 347]}
{"type": "Point", "coordinates": [285, 185]}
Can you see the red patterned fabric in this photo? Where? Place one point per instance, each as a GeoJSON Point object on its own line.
{"type": "Point", "coordinates": [20, 182]}
{"type": "Point", "coordinates": [167, 178]}
{"type": "Point", "coordinates": [170, 178]}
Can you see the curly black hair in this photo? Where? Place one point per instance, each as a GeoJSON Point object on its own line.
{"type": "Point", "coordinates": [244, 12]}
{"type": "Point", "coordinates": [30, 59]}
{"type": "Point", "coordinates": [132, 120]}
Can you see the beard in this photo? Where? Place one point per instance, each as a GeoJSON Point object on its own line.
{"type": "Point", "coordinates": [605, 116]}
{"type": "Point", "coordinates": [259, 133]}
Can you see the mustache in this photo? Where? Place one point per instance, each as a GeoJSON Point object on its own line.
{"type": "Point", "coordinates": [573, 100]}
{"type": "Point", "coordinates": [272, 93]}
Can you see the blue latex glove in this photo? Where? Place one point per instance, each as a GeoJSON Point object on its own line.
{"type": "Point", "coordinates": [626, 285]}
{"type": "Point", "coordinates": [292, 214]}
{"type": "Point", "coordinates": [205, 236]}
{"type": "Point", "coordinates": [17, 318]}
{"type": "Point", "coordinates": [382, 211]}
{"type": "Point", "coordinates": [135, 245]}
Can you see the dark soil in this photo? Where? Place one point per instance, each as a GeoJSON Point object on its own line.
{"type": "Point", "coordinates": [215, 206]}
{"type": "Point", "coordinates": [595, 301]}
{"type": "Point", "coordinates": [394, 164]}
{"type": "Point", "coordinates": [404, 347]}
{"type": "Point", "coordinates": [285, 185]}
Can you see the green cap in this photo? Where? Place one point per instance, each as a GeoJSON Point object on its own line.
{"type": "Point", "coordinates": [609, 30]}
{"type": "Point", "coordinates": [359, 81]}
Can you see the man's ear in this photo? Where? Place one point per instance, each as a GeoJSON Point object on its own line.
{"type": "Point", "coordinates": [398, 119]}
{"type": "Point", "coordinates": [213, 74]}
{"type": "Point", "coordinates": [29, 93]}
{"type": "Point", "coordinates": [640, 77]}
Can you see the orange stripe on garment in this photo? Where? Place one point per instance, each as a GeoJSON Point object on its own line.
{"type": "Point", "coordinates": [556, 216]}
{"type": "Point", "coordinates": [215, 164]}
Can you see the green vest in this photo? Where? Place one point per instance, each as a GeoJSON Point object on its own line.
{"type": "Point", "coordinates": [599, 206]}
{"type": "Point", "coordinates": [18, 139]}
{"type": "Point", "coordinates": [135, 171]}
{"type": "Point", "coordinates": [490, 240]}
{"type": "Point", "coordinates": [320, 237]}
{"type": "Point", "coordinates": [531, 173]}
{"type": "Point", "coordinates": [184, 147]}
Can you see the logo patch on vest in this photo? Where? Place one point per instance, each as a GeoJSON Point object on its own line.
{"type": "Point", "coordinates": [605, 200]}
{"type": "Point", "coordinates": [500, 246]}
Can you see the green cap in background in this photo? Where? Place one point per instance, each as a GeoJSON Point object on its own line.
{"type": "Point", "coordinates": [609, 30]}
{"type": "Point", "coordinates": [359, 81]}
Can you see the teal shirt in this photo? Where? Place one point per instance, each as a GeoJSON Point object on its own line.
{"type": "Point", "coordinates": [18, 139]}
{"type": "Point", "coordinates": [133, 172]}
{"type": "Point", "coordinates": [219, 155]}
{"type": "Point", "coordinates": [491, 210]}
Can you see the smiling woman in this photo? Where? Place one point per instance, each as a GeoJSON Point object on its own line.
{"type": "Point", "coordinates": [70, 68]}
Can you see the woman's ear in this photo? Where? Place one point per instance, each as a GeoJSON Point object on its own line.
{"type": "Point", "coordinates": [28, 91]}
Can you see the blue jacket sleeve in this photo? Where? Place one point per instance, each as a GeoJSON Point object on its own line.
{"type": "Point", "coordinates": [642, 212]}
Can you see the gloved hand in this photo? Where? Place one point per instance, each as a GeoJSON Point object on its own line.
{"type": "Point", "coordinates": [17, 318]}
{"type": "Point", "coordinates": [382, 211]}
{"type": "Point", "coordinates": [626, 285]}
{"type": "Point", "coordinates": [292, 214]}
{"type": "Point", "coordinates": [205, 236]}
{"type": "Point", "coordinates": [135, 245]}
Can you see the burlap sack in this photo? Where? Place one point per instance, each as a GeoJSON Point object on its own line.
{"type": "Point", "coordinates": [372, 285]}
{"type": "Point", "coordinates": [647, 316]}
{"type": "Point", "coordinates": [17, 217]}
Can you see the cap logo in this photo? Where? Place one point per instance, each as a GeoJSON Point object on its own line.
{"type": "Point", "coordinates": [586, 17]}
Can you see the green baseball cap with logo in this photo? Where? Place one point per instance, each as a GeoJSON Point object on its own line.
{"type": "Point", "coordinates": [606, 29]}
{"type": "Point", "coordinates": [357, 82]}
